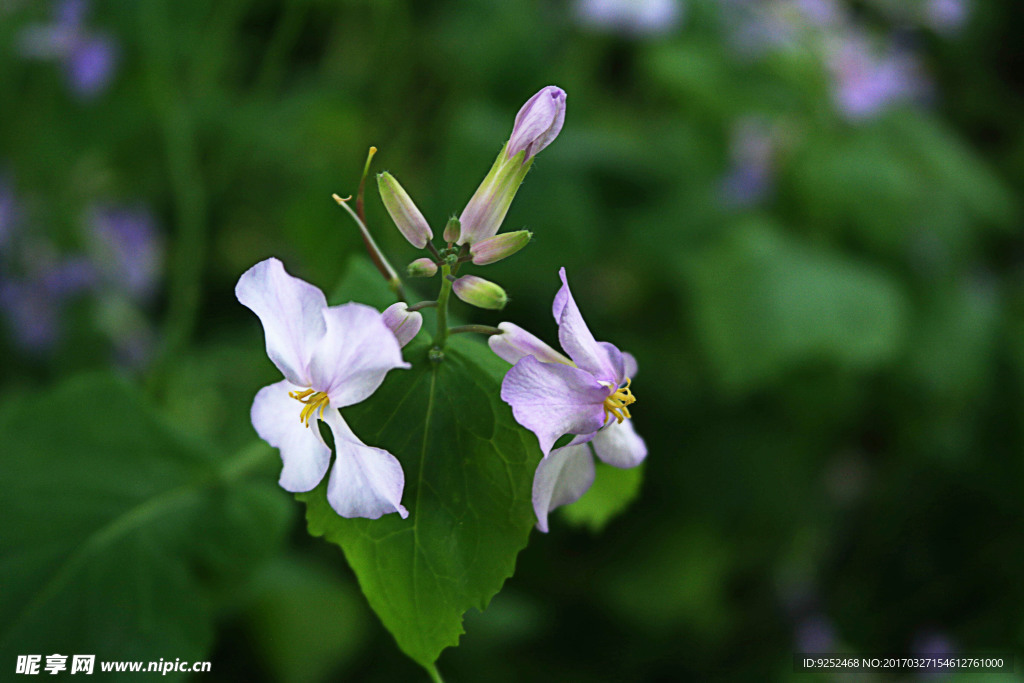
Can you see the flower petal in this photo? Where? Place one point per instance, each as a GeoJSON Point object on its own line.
{"type": "Point", "coordinates": [551, 399]}
{"type": "Point", "coordinates": [275, 415]}
{"type": "Point", "coordinates": [617, 361]}
{"type": "Point", "coordinates": [576, 339]}
{"type": "Point", "coordinates": [514, 343]}
{"type": "Point", "coordinates": [366, 481]}
{"type": "Point", "coordinates": [353, 356]}
{"type": "Point", "coordinates": [404, 324]}
{"type": "Point", "coordinates": [619, 445]}
{"type": "Point", "coordinates": [561, 478]}
{"type": "Point", "coordinates": [629, 364]}
{"type": "Point", "coordinates": [291, 312]}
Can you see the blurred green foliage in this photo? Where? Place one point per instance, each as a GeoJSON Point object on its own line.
{"type": "Point", "coordinates": [831, 377]}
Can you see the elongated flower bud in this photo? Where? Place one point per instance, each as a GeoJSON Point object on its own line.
{"type": "Point", "coordinates": [479, 292]}
{"type": "Point", "coordinates": [452, 230]}
{"type": "Point", "coordinates": [422, 267]}
{"type": "Point", "coordinates": [500, 246]}
{"type": "Point", "coordinates": [537, 125]}
{"type": "Point", "coordinates": [403, 211]}
{"type": "Point", "coordinates": [404, 324]}
{"type": "Point", "coordinates": [538, 122]}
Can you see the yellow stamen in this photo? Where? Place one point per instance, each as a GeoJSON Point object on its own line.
{"type": "Point", "coordinates": [312, 401]}
{"type": "Point", "coordinates": [616, 403]}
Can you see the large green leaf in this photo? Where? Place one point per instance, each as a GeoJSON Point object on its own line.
{"type": "Point", "coordinates": [468, 473]}
{"type": "Point", "coordinates": [118, 533]}
{"type": "Point", "coordinates": [468, 476]}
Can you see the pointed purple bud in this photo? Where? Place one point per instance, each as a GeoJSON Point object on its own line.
{"type": "Point", "coordinates": [422, 267]}
{"type": "Point", "coordinates": [404, 324]}
{"type": "Point", "coordinates": [453, 230]}
{"type": "Point", "coordinates": [538, 122]}
{"type": "Point", "coordinates": [479, 292]}
{"type": "Point", "coordinates": [500, 246]}
{"type": "Point", "coordinates": [403, 211]}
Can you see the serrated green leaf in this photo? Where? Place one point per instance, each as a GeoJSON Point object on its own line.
{"type": "Point", "coordinates": [468, 475]}
{"type": "Point", "coordinates": [612, 492]}
{"type": "Point", "coordinates": [118, 532]}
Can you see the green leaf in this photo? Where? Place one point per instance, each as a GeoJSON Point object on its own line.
{"type": "Point", "coordinates": [765, 303]}
{"type": "Point", "coordinates": [120, 534]}
{"type": "Point", "coordinates": [612, 492]}
{"type": "Point", "coordinates": [468, 475]}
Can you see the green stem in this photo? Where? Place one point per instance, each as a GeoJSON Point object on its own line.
{"type": "Point", "coordinates": [442, 308]}
{"type": "Point", "coordinates": [421, 305]}
{"type": "Point", "coordinates": [482, 329]}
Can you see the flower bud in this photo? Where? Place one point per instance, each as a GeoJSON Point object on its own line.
{"type": "Point", "coordinates": [538, 123]}
{"type": "Point", "coordinates": [514, 343]}
{"type": "Point", "coordinates": [403, 211]}
{"type": "Point", "coordinates": [453, 230]}
{"type": "Point", "coordinates": [422, 267]}
{"type": "Point", "coordinates": [479, 292]}
{"type": "Point", "coordinates": [500, 246]}
{"type": "Point", "coordinates": [404, 324]}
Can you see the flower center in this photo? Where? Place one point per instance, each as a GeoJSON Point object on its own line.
{"type": "Point", "coordinates": [312, 401]}
{"type": "Point", "coordinates": [616, 404]}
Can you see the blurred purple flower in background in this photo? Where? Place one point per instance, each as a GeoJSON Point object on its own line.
{"type": "Point", "coordinates": [946, 16]}
{"type": "Point", "coordinates": [631, 17]}
{"type": "Point", "coordinates": [752, 150]}
{"type": "Point", "coordinates": [89, 58]}
{"type": "Point", "coordinates": [126, 248]}
{"type": "Point", "coordinates": [866, 82]}
{"type": "Point", "coordinates": [8, 210]}
{"type": "Point", "coordinates": [815, 634]}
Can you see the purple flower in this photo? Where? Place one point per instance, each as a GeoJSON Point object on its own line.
{"type": "Point", "coordinates": [537, 125]}
{"type": "Point", "coordinates": [33, 316]}
{"type": "Point", "coordinates": [752, 151]}
{"type": "Point", "coordinates": [866, 83]}
{"type": "Point", "coordinates": [90, 66]}
{"type": "Point", "coordinates": [89, 59]}
{"type": "Point", "coordinates": [587, 395]}
{"type": "Point", "coordinates": [401, 322]}
{"type": "Point", "coordinates": [631, 17]}
{"type": "Point", "coordinates": [331, 357]}
{"type": "Point", "coordinates": [127, 248]}
{"type": "Point", "coordinates": [815, 634]}
{"type": "Point", "coordinates": [946, 16]}
{"type": "Point", "coordinates": [8, 210]}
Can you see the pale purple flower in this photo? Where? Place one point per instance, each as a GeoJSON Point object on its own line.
{"type": "Point", "coordinates": [631, 17]}
{"type": "Point", "coordinates": [9, 211]}
{"type": "Point", "coordinates": [753, 160]}
{"type": "Point", "coordinates": [331, 357]}
{"type": "Point", "coordinates": [536, 126]}
{"type": "Point", "coordinates": [89, 58]}
{"type": "Point", "coordinates": [815, 635]}
{"type": "Point", "coordinates": [538, 123]}
{"type": "Point", "coordinates": [127, 248]}
{"type": "Point", "coordinates": [403, 324]}
{"type": "Point", "coordinates": [866, 82]}
{"type": "Point", "coordinates": [586, 394]}
{"type": "Point", "coordinates": [946, 16]}
{"type": "Point", "coordinates": [32, 315]}
{"type": "Point", "coordinates": [90, 65]}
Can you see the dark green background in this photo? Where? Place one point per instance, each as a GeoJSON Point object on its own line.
{"type": "Point", "coordinates": [831, 381]}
